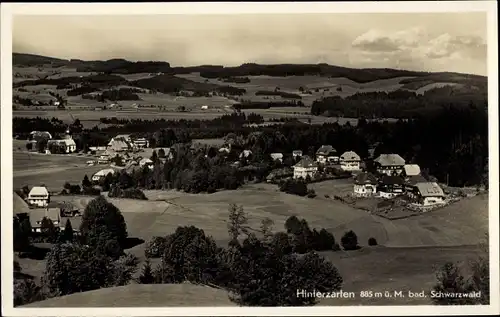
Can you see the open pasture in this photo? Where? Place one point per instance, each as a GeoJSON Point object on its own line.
{"type": "Point", "coordinates": [380, 269]}
{"type": "Point", "coordinates": [140, 295]}
{"type": "Point", "coordinates": [52, 170]}
{"type": "Point", "coordinates": [319, 86]}
{"type": "Point", "coordinates": [443, 235]}
{"type": "Point", "coordinates": [462, 223]}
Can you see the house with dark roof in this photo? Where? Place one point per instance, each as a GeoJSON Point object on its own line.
{"type": "Point", "coordinates": [305, 167]}
{"type": "Point", "coordinates": [365, 184]}
{"type": "Point", "coordinates": [349, 161]}
{"type": "Point", "coordinates": [389, 164]}
{"type": "Point", "coordinates": [412, 181]}
{"type": "Point", "coordinates": [390, 186]}
{"type": "Point", "coordinates": [327, 154]}
{"type": "Point", "coordinates": [36, 217]}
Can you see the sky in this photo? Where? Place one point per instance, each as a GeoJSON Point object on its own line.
{"type": "Point", "coordinates": [453, 42]}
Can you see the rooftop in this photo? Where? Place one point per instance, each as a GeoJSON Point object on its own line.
{"type": "Point", "coordinates": [429, 189]}
{"type": "Point", "coordinates": [365, 178]}
{"type": "Point", "coordinates": [391, 180]}
{"type": "Point", "coordinates": [350, 156]}
{"type": "Point", "coordinates": [390, 160]}
{"type": "Point", "coordinates": [412, 169]}
{"type": "Point", "coordinates": [306, 162]}
{"type": "Point", "coordinates": [38, 191]}
{"type": "Point", "coordinates": [326, 149]}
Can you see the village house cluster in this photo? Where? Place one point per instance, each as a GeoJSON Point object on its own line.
{"type": "Point", "coordinates": [389, 177]}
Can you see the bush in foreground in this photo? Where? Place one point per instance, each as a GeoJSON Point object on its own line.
{"type": "Point", "coordinates": [349, 241]}
{"type": "Point", "coordinates": [372, 242]}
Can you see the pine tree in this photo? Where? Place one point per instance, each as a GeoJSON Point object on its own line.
{"type": "Point", "coordinates": [146, 276]}
{"type": "Point", "coordinates": [68, 232]}
{"type": "Point", "coordinates": [86, 182]}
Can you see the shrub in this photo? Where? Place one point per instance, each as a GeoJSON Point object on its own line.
{"type": "Point", "coordinates": [350, 241]}
{"type": "Point", "coordinates": [156, 247]}
{"type": "Point", "coordinates": [372, 241]}
{"type": "Point", "coordinates": [147, 276]}
{"type": "Point", "coordinates": [311, 193]}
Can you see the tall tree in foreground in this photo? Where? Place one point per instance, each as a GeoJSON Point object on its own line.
{"type": "Point", "coordinates": [237, 222]}
{"type": "Point", "coordinates": [103, 225]}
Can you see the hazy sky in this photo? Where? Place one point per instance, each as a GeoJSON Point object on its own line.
{"type": "Point", "coordinates": [430, 42]}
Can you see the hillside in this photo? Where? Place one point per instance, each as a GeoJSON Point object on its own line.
{"type": "Point", "coordinates": [121, 66]}
{"type": "Point", "coordinates": [137, 295]}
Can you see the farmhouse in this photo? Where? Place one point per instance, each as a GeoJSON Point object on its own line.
{"type": "Point", "coordinates": [121, 143]}
{"type": "Point", "coordinates": [389, 164]}
{"type": "Point", "coordinates": [204, 107]}
{"type": "Point", "coordinates": [66, 145]}
{"type": "Point", "coordinates": [412, 181]}
{"type": "Point", "coordinates": [326, 153]}
{"type": "Point", "coordinates": [102, 174]}
{"type": "Point", "coordinates": [36, 217]}
{"type": "Point", "coordinates": [365, 184]}
{"type": "Point", "coordinates": [429, 194]}
{"type": "Point", "coordinates": [39, 196]}
{"type": "Point", "coordinates": [390, 186]}
{"type": "Point", "coordinates": [411, 170]}
{"type": "Point", "coordinates": [277, 157]}
{"type": "Point", "coordinates": [297, 154]}
{"type": "Point", "coordinates": [225, 149]}
{"type": "Point", "coordinates": [305, 167]}
{"type": "Point", "coordinates": [349, 161]}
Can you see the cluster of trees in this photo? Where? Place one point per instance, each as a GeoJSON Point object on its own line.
{"type": "Point", "coordinates": [247, 104]}
{"type": "Point", "coordinates": [236, 80]}
{"type": "Point", "coordinates": [99, 80]}
{"type": "Point", "coordinates": [450, 278]}
{"type": "Point", "coordinates": [250, 268]}
{"type": "Point", "coordinates": [357, 75]}
{"type": "Point", "coordinates": [277, 93]}
{"type": "Point", "coordinates": [90, 261]}
{"type": "Point", "coordinates": [121, 66]}
{"type": "Point", "coordinates": [396, 104]}
{"type": "Point", "coordinates": [115, 94]}
{"type": "Point", "coordinates": [296, 187]}
{"type": "Point", "coordinates": [130, 193]}
{"type": "Point", "coordinates": [451, 144]}
{"type": "Point", "coordinates": [82, 90]}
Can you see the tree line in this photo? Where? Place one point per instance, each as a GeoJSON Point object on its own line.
{"type": "Point", "coordinates": [399, 103]}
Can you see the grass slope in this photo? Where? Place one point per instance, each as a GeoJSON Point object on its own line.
{"type": "Point", "coordinates": [138, 295]}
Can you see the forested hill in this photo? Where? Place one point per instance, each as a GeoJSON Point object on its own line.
{"type": "Point", "coordinates": [122, 66]}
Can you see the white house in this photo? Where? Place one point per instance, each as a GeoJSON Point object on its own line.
{"type": "Point", "coordinates": [39, 196]}
{"type": "Point", "coordinates": [102, 174]}
{"type": "Point", "coordinates": [365, 184]}
{"type": "Point", "coordinates": [326, 153]}
{"type": "Point", "coordinates": [430, 194]}
{"type": "Point", "coordinates": [297, 153]}
{"type": "Point", "coordinates": [305, 167]}
{"type": "Point", "coordinates": [277, 156]}
{"type": "Point", "coordinates": [389, 164]}
{"type": "Point", "coordinates": [204, 107]}
{"type": "Point", "coordinates": [349, 161]}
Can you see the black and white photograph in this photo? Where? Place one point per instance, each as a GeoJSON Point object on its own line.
{"type": "Point", "coordinates": [250, 158]}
